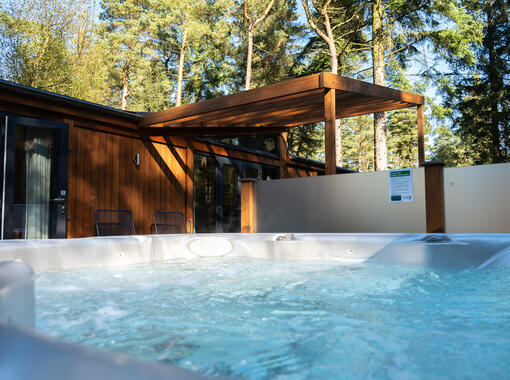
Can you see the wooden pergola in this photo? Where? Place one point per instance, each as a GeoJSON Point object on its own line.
{"type": "Point", "coordinates": [274, 108]}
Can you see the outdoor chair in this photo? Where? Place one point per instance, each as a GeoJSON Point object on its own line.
{"type": "Point", "coordinates": [169, 222]}
{"type": "Point", "coordinates": [114, 222]}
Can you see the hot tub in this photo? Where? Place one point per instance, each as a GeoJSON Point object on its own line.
{"type": "Point", "coordinates": [262, 306]}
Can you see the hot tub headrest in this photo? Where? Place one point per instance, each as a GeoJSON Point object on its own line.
{"type": "Point", "coordinates": [17, 300]}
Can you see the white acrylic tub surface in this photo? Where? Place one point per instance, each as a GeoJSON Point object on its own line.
{"type": "Point", "coordinates": [437, 250]}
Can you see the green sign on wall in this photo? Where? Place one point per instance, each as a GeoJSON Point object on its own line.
{"type": "Point", "coordinates": [401, 185]}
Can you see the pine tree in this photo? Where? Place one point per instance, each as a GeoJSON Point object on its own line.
{"type": "Point", "coordinates": [449, 148]}
{"type": "Point", "coordinates": [338, 25]}
{"type": "Point", "coordinates": [481, 96]}
{"type": "Point", "coordinates": [399, 28]}
{"type": "Point", "coordinates": [307, 141]}
{"type": "Point", "coordinates": [253, 16]}
{"type": "Point", "coordinates": [125, 28]}
{"type": "Point", "coordinates": [358, 137]}
{"type": "Point", "coordinates": [275, 43]}
{"type": "Point", "coordinates": [211, 69]}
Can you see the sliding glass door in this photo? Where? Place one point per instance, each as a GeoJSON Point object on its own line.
{"type": "Point", "coordinates": [205, 197]}
{"type": "Point", "coordinates": [34, 174]}
{"type": "Point", "coordinates": [217, 191]}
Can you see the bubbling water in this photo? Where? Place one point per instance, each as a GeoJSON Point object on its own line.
{"type": "Point", "coordinates": [266, 319]}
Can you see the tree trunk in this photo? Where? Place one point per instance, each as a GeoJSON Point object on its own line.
{"type": "Point", "coordinates": [489, 41]}
{"type": "Point", "coordinates": [125, 92]}
{"type": "Point", "coordinates": [249, 57]}
{"type": "Point", "coordinates": [338, 125]}
{"type": "Point", "coordinates": [334, 69]}
{"type": "Point", "coordinates": [333, 55]}
{"type": "Point", "coordinates": [182, 55]}
{"type": "Point", "coordinates": [251, 26]}
{"type": "Point", "coordinates": [380, 148]}
{"type": "Point", "coordinates": [338, 142]}
{"type": "Point", "coordinates": [360, 158]}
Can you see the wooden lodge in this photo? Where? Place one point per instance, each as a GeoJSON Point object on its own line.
{"type": "Point", "coordinates": [74, 157]}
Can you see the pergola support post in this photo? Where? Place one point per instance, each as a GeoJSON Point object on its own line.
{"type": "Point", "coordinates": [248, 206]}
{"type": "Point", "coordinates": [189, 189]}
{"type": "Point", "coordinates": [329, 130]}
{"type": "Point", "coordinates": [434, 196]}
{"type": "Point", "coordinates": [421, 138]}
{"type": "Point", "coordinates": [284, 155]}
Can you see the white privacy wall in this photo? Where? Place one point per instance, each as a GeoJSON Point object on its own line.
{"type": "Point", "coordinates": [477, 199]}
{"type": "Point", "coordinates": [357, 202]}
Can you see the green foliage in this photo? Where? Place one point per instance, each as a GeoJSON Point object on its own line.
{"type": "Point", "coordinates": [131, 57]}
{"type": "Point", "coordinates": [480, 93]}
{"type": "Point", "coordinates": [348, 19]}
{"type": "Point", "coordinates": [307, 141]}
{"type": "Point", "coordinates": [403, 138]}
{"type": "Point", "coordinates": [90, 80]}
{"type": "Point", "coordinates": [210, 69]}
{"type": "Point", "coordinates": [50, 45]}
{"type": "Point", "coordinates": [358, 143]}
{"type": "Point", "coordinates": [152, 96]}
{"type": "Point", "coordinates": [125, 28]}
{"type": "Point", "coordinates": [449, 148]}
{"type": "Point", "coordinates": [275, 43]}
{"type": "Point", "coordinates": [276, 46]}
{"type": "Point", "coordinates": [183, 27]}
{"type": "Point", "coordinates": [35, 36]}
{"type": "Point", "coordinates": [444, 25]}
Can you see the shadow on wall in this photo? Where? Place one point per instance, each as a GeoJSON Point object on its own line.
{"type": "Point", "coordinates": [103, 175]}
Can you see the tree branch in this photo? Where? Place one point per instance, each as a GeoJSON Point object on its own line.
{"type": "Point", "coordinates": [316, 29]}
{"type": "Point", "coordinates": [263, 15]}
{"type": "Point", "coordinates": [246, 15]}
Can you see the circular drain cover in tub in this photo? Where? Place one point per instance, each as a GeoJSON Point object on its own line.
{"type": "Point", "coordinates": [210, 246]}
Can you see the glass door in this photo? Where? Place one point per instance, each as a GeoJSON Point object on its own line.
{"type": "Point", "coordinates": [217, 191]}
{"type": "Point", "coordinates": [34, 178]}
{"type": "Point", "coordinates": [230, 207]}
{"type": "Point", "coordinates": [217, 198]}
{"type": "Point", "coordinates": [205, 199]}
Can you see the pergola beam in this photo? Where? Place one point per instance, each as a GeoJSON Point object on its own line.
{"type": "Point", "coordinates": [292, 86]}
{"type": "Point", "coordinates": [209, 131]}
{"type": "Point", "coordinates": [330, 80]}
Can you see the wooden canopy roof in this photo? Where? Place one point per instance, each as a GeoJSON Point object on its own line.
{"type": "Point", "coordinates": [286, 104]}
{"type": "Point", "coordinates": [272, 109]}
{"type": "Point", "coordinates": [269, 110]}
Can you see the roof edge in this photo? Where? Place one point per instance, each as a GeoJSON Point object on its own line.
{"type": "Point", "coordinates": [21, 89]}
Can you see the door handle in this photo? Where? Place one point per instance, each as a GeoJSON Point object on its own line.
{"type": "Point", "coordinates": [57, 199]}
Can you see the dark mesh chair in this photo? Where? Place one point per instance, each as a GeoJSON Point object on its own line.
{"type": "Point", "coordinates": [114, 222]}
{"type": "Point", "coordinates": [169, 222]}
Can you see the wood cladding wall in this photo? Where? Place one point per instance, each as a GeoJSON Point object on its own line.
{"type": "Point", "coordinates": [102, 174]}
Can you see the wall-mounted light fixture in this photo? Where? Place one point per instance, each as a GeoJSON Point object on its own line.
{"type": "Point", "coordinates": [136, 160]}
